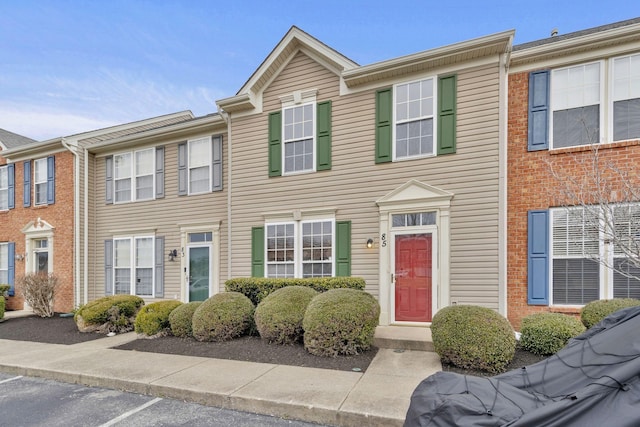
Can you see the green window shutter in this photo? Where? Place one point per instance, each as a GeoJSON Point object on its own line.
{"type": "Point", "coordinates": [384, 108]}
{"type": "Point", "coordinates": [257, 252]}
{"type": "Point", "coordinates": [323, 143]}
{"type": "Point", "coordinates": [343, 248]}
{"type": "Point", "coordinates": [275, 144]}
{"type": "Point", "coordinates": [447, 115]}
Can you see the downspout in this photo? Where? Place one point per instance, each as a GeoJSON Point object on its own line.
{"type": "Point", "coordinates": [76, 220]}
{"type": "Point", "coordinates": [227, 118]}
{"type": "Point", "coordinates": [502, 180]}
{"type": "Point", "coordinates": [86, 225]}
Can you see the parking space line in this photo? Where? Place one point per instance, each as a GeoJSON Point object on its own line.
{"type": "Point", "coordinates": [131, 412]}
{"type": "Point", "coordinates": [11, 379]}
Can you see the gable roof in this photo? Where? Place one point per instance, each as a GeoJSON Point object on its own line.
{"type": "Point", "coordinates": [10, 140]}
{"type": "Point", "coordinates": [293, 42]}
{"type": "Point", "coordinates": [602, 37]}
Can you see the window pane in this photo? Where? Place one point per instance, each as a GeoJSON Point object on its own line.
{"type": "Point", "coordinates": [4, 257]}
{"type": "Point", "coordinates": [4, 177]}
{"type": "Point", "coordinates": [123, 190]}
{"type": "Point", "coordinates": [199, 152]}
{"type": "Point", "coordinates": [280, 250]}
{"type": "Point", "coordinates": [122, 166]}
{"type": "Point", "coordinates": [626, 278]}
{"type": "Point", "coordinates": [144, 187]}
{"type": "Point", "coordinates": [144, 281]}
{"type": "Point", "coordinates": [414, 138]}
{"type": "Point", "coordinates": [144, 252]}
{"type": "Point", "coordinates": [41, 170]}
{"type": "Point", "coordinates": [200, 237]}
{"type": "Point", "coordinates": [298, 155]}
{"type": "Point", "coordinates": [122, 281]}
{"type": "Point", "coordinates": [626, 119]}
{"type": "Point", "coordinates": [317, 249]}
{"type": "Point", "coordinates": [144, 162]}
{"type": "Point", "coordinates": [578, 126]}
{"type": "Point", "coordinates": [199, 179]}
{"type": "Point", "coordinates": [41, 193]}
{"type": "Point", "coordinates": [122, 253]}
{"type": "Point", "coordinates": [575, 281]}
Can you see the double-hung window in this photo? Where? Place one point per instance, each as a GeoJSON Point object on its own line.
{"type": "Point", "coordinates": [4, 264]}
{"type": "Point", "coordinates": [133, 265]}
{"type": "Point", "coordinates": [414, 119]}
{"type": "Point", "coordinates": [594, 253]}
{"type": "Point", "coordinates": [626, 97]}
{"type": "Point", "coordinates": [4, 188]}
{"type": "Point", "coordinates": [575, 102]}
{"type": "Point", "coordinates": [133, 175]}
{"type": "Point", "coordinates": [298, 125]}
{"type": "Point", "coordinates": [40, 181]}
{"type": "Point", "coordinates": [300, 249]}
{"type": "Point", "coordinates": [199, 165]}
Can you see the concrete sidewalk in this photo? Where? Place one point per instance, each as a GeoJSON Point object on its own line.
{"type": "Point", "coordinates": [378, 397]}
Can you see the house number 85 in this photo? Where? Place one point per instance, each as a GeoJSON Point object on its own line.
{"type": "Point", "coordinates": [383, 239]}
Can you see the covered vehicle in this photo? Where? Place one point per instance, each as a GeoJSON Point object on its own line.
{"type": "Point", "coordinates": [593, 381]}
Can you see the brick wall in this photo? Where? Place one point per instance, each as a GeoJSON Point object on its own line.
{"type": "Point", "coordinates": [59, 215]}
{"type": "Point", "coordinates": [531, 186]}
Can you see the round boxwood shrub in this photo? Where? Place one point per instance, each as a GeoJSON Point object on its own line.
{"type": "Point", "coordinates": [223, 317]}
{"type": "Point", "coordinates": [181, 317]}
{"type": "Point", "coordinates": [279, 316]}
{"type": "Point", "coordinates": [114, 313]}
{"type": "Point", "coordinates": [153, 319]}
{"type": "Point", "coordinates": [1, 306]}
{"type": "Point", "coordinates": [546, 333]}
{"type": "Point", "coordinates": [340, 321]}
{"type": "Point", "coordinates": [473, 337]}
{"type": "Point", "coordinates": [595, 311]}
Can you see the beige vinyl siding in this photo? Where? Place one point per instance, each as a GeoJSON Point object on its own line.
{"type": "Point", "coordinates": [165, 216]}
{"type": "Point", "coordinates": [355, 182]}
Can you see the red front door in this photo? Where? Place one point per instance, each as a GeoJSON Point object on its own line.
{"type": "Point", "coordinates": [413, 281]}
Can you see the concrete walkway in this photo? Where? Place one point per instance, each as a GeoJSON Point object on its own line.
{"type": "Point", "coordinates": [378, 397]}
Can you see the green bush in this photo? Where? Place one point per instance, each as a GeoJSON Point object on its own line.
{"type": "Point", "coordinates": [257, 288]}
{"type": "Point", "coordinates": [4, 290]}
{"type": "Point", "coordinates": [473, 337]}
{"type": "Point", "coordinates": [1, 307]}
{"type": "Point", "coordinates": [279, 316]}
{"type": "Point", "coordinates": [547, 333]}
{"type": "Point", "coordinates": [114, 313]}
{"type": "Point", "coordinates": [595, 311]}
{"type": "Point", "coordinates": [153, 319]}
{"type": "Point", "coordinates": [180, 319]}
{"type": "Point", "coordinates": [223, 317]}
{"type": "Point", "coordinates": [340, 321]}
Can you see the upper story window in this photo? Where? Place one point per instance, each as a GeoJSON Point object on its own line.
{"type": "Point", "coordinates": [575, 102]}
{"type": "Point", "coordinates": [300, 135]}
{"type": "Point", "coordinates": [626, 98]}
{"type": "Point", "coordinates": [200, 165]}
{"type": "Point", "coordinates": [135, 176]}
{"type": "Point", "coordinates": [583, 105]}
{"type": "Point", "coordinates": [40, 181]}
{"type": "Point", "coordinates": [298, 124]}
{"type": "Point", "coordinates": [44, 181]}
{"type": "Point", "coordinates": [4, 188]}
{"type": "Point", "coordinates": [414, 119]}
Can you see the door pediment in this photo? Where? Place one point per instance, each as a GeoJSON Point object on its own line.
{"type": "Point", "coordinates": [415, 193]}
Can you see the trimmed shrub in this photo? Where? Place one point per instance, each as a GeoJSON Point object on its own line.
{"type": "Point", "coordinates": [114, 313]}
{"type": "Point", "coordinates": [4, 290]}
{"type": "Point", "coordinates": [340, 321]}
{"type": "Point", "coordinates": [547, 333]}
{"type": "Point", "coordinates": [153, 319]}
{"type": "Point", "coordinates": [223, 317]}
{"type": "Point", "coordinates": [39, 291]}
{"type": "Point", "coordinates": [473, 337]}
{"type": "Point", "coordinates": [180, 319]}
{"type": "Point", "coordinates": [257, 288]}
{"type": "Point", "coordinates": [279, 316]}
{"type": "Point", "coordinates": [595, 311]}
{"type": "Point", "coordinates": [1, 306]}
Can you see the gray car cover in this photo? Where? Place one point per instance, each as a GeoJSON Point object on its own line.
{"type": "Point", "coordinates": [593, 381]}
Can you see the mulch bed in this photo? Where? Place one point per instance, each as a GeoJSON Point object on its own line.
{"type": "Point", "coordinates": [63, 330]}
{"type": "Point", "coordinates": [522, 358]}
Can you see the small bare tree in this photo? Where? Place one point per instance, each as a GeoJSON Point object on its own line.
{"type": "Point", "coordinates": [38, 290]}
{"type": "Point", "coordinates": [606, 193]}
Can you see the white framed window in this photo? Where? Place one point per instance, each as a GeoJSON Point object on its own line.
{"type": "Point", "coordinates": [199, 165]}
{"type": "Point", "coordinates": [4, 188]}
{"type": "Point", "coordinates": [300, 248]}
{"type": "Point", "coordinates": [40, 181]}
{"type": "Point", "coordinates": [4, 264]}
{"type": "Point", "coordinates": [133, 265]}
{"type": "Point", "coordinates": [40, 255]}
{"type": "Point", "coordinates": [414, 108]}
{"type": "Point", "coordinates": [587, 263]}
{"type": "Point", "coordinates": [298, 124]}
{"type": "Point", "coordinates": [576, 94]}
{"type": "Point", "coordinates": [133, 175]}
{"type": "Point", "coordinates": [625, 97]}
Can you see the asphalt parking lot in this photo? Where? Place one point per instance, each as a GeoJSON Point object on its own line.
{"type": "Point", "coordinates": [27, 401]}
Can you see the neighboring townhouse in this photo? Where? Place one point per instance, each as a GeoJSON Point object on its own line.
{"type": "Point", "coordinates": [158, 212]}
{"type": "Point", "coordinates": [43, 227]}
{"type": "Point", "coordinates": [568, 94]}
{"type": "Point", "coordinates": [393, 171]}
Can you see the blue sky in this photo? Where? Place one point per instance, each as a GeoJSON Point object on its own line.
{"type": "Point", "coordinates": [70, 66]}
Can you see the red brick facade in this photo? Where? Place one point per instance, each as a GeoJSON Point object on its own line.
{"type": "Point", "coordinates": [532, 186]}
{"type": "Point", "coordinates": [59, 215]}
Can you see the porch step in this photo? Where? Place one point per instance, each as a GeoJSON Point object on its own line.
{"type": "Point", "coordinates": [404, 338]}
